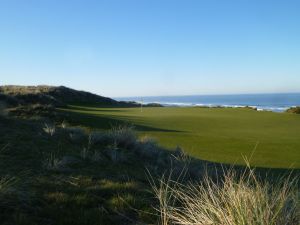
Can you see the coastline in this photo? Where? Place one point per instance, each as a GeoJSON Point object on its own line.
{"type": "Point", "coordinates": [261, 102]}
{"type": "Point", "coordinates": [258, 108]}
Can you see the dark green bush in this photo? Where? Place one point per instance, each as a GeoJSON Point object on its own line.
{"type": "Point", "coordinates": [295, 110]}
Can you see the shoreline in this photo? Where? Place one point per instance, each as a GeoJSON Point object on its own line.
{"type": "Point", "coordinates": [257, 108]}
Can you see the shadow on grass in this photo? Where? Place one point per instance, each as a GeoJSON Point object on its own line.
{"type": "Point", "coordinates": [89, 192]}
{"type": "Point", "coordinates": [98, 121]}
{"type": "Point", "coordinates": [89, 108]}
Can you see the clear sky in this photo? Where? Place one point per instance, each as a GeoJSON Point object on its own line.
{"type": "Point", "coordinates": [152, 47]}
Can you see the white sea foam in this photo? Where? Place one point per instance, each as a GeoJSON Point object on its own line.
{"type": "Point", "coordinates": [261, 102]}
{"type": "Point", "coordinates": [258, 108]}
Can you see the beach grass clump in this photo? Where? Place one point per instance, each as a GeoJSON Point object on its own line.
{"type": "Point", "coordinates": [52, 162]}
{"type": "Point", "coordinates": [76, 134]}
{"type": "Point", "coordinates": [122, 136]}
{"type": "Point", "coordinates": [148, 147]}
{"type": "Point", "coordinates": [236, 200]}
{"type": "Point", "coordinates": [96, 137]}
{"type": "Point", "coordinates": [6, 184]}
{"type": "Point", "coordinates": [8, 192]}
{"type": "Point", "coordinates": [49, 129]}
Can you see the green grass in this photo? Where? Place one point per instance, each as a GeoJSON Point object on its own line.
{"type": "Point", "coordinates": [85, 192]}
{"type": "Point", "coordinates": [216, 134]}
{"type": "Point", "coordinates": [52, 172]}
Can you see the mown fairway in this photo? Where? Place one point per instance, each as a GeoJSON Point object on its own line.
{"type": "Point", "coordinates": [217, 134]}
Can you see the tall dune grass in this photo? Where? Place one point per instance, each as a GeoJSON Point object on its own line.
{"type": "Point", "coordinates": [235, 200]}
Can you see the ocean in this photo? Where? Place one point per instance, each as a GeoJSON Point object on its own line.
{"type": "Point", "coordinates": [269, 102]}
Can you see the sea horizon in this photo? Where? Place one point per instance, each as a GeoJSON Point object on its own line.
{"type": "Point", "coordinates": [276, 102]}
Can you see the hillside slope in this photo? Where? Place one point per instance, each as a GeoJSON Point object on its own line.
{"type": "Point", "coordinates": [57, 96]}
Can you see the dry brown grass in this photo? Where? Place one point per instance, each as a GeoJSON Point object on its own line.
{"type": "Point", "coordinates": [236, 200]}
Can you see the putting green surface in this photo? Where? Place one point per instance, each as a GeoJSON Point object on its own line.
{"type": "Point", "coordinates": [225, 135]}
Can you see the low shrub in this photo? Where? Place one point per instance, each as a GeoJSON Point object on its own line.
{"type": "Point", "coordinates": [294, 110]}
{"type": "Point", "coordinates": [34, 110]}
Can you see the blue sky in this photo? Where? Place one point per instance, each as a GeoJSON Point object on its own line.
{"type": "Point", "coordinates": [148, 47]}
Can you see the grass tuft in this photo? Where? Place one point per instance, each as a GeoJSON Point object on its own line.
{"type": "Point", "coordinates": [49, 129]}
{"type": "Point", "coordinates": [52, 162]}
{"type": "Point", "coordinates": [123, 136]}
{"type": "Point", "coordinates": [6, 184]}
{"type": "Point", "coordinates": [236, 200]}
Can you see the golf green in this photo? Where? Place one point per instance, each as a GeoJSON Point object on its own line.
{"type": "Point", "coordinates": [227, 135]}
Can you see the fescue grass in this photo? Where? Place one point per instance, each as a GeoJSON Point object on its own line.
{"type": "Point", "coordinates": [6, 184]}
{"type": "Point", "coordinates": [214, 134]}
{"type": "Point", "coordinates": [233, 200]}
{"type": "Point", "coordinates": [64, 186]}
{"type": "Point", "coordinates": [49, 129]}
